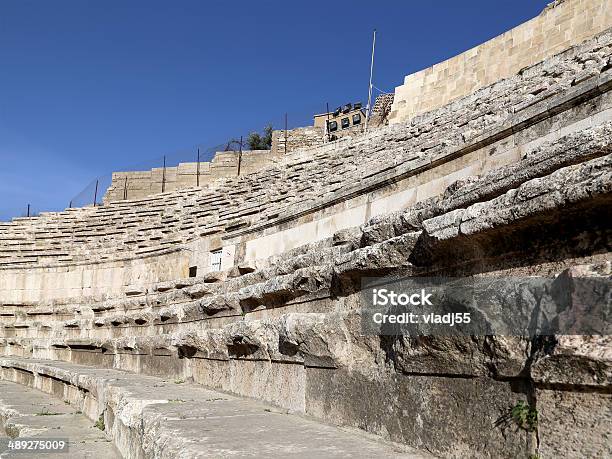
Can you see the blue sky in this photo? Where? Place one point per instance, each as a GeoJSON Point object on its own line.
{"type": "Point", "coordinates": [88, 87]}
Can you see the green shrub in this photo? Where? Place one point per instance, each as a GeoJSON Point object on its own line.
{"type": "Point", "coordinates": [100, 423]}
{"type": "Point", "coordinates": [525, 416]}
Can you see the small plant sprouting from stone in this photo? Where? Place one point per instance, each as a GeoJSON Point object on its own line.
{"type": "Point", "coordinates": [45, 412]}
{"type": "Point", "coordinates": [534, 456]}
{"type": "Point", "coordinates": [179, 381]}
{"type": "Point", "coordinates": [525, 416]}
{"type": "Point", "coordinates": [100, 423]}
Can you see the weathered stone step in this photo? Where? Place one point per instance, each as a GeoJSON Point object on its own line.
{"type": "Point", "coordinates": [28, 413]}
{"type": "Point", "coordinates": [147, 416]}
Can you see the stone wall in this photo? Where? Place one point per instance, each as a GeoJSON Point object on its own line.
{"type": "Point", "coordinates": [381, 110]}
{"type": "Point", "coordinates": [27, 286]}
{"type": "Point", "coordinates": [561, 25]}
{"type": "Point", "coordinates": [297, 139]}
{"type": "Point", "coordinates": [139, 184]}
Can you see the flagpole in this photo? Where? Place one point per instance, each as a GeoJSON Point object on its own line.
{"type": "Point", "coordinates": [370, 86]}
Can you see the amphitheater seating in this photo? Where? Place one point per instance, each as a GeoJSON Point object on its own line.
{"type": "Point", "coordinates": [581, 161]}
{"type": "Point", "coordinates": [305, 179]}
{"type": "Point", "coordinates": [287, 330]}
{"type": "Point", "coordinates": [173, 324]}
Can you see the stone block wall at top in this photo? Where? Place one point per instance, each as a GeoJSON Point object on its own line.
{"type": "Point", "coordinates": [140, 184]}
{"type": "Point", "coordinates": [296, 139]}
{"type": "Point", "coordinates": [562, 24]}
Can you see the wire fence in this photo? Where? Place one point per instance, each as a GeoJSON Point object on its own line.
{"type": "Point", "coordinates": [95, 191]}
{"type": "Point", "coordinates": [190, 166]}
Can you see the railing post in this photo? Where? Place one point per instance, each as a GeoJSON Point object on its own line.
{"type": "Point", "coordinates": [95, 194]}
{"type": "Point", "coordinates": [240, 156]}
{"type": "Point", "coordinates": [28, 210]}
{"type": "Point", "coordinates": [286, 133]}
{"type": "Point", "coordinates": [327, 122]}
{"type": "Point", "coordinates": [125, 189]}
{"type": "Point", "coordinates": [198, 169]}
{"type": "Point", "coordinates": [164, 176]}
